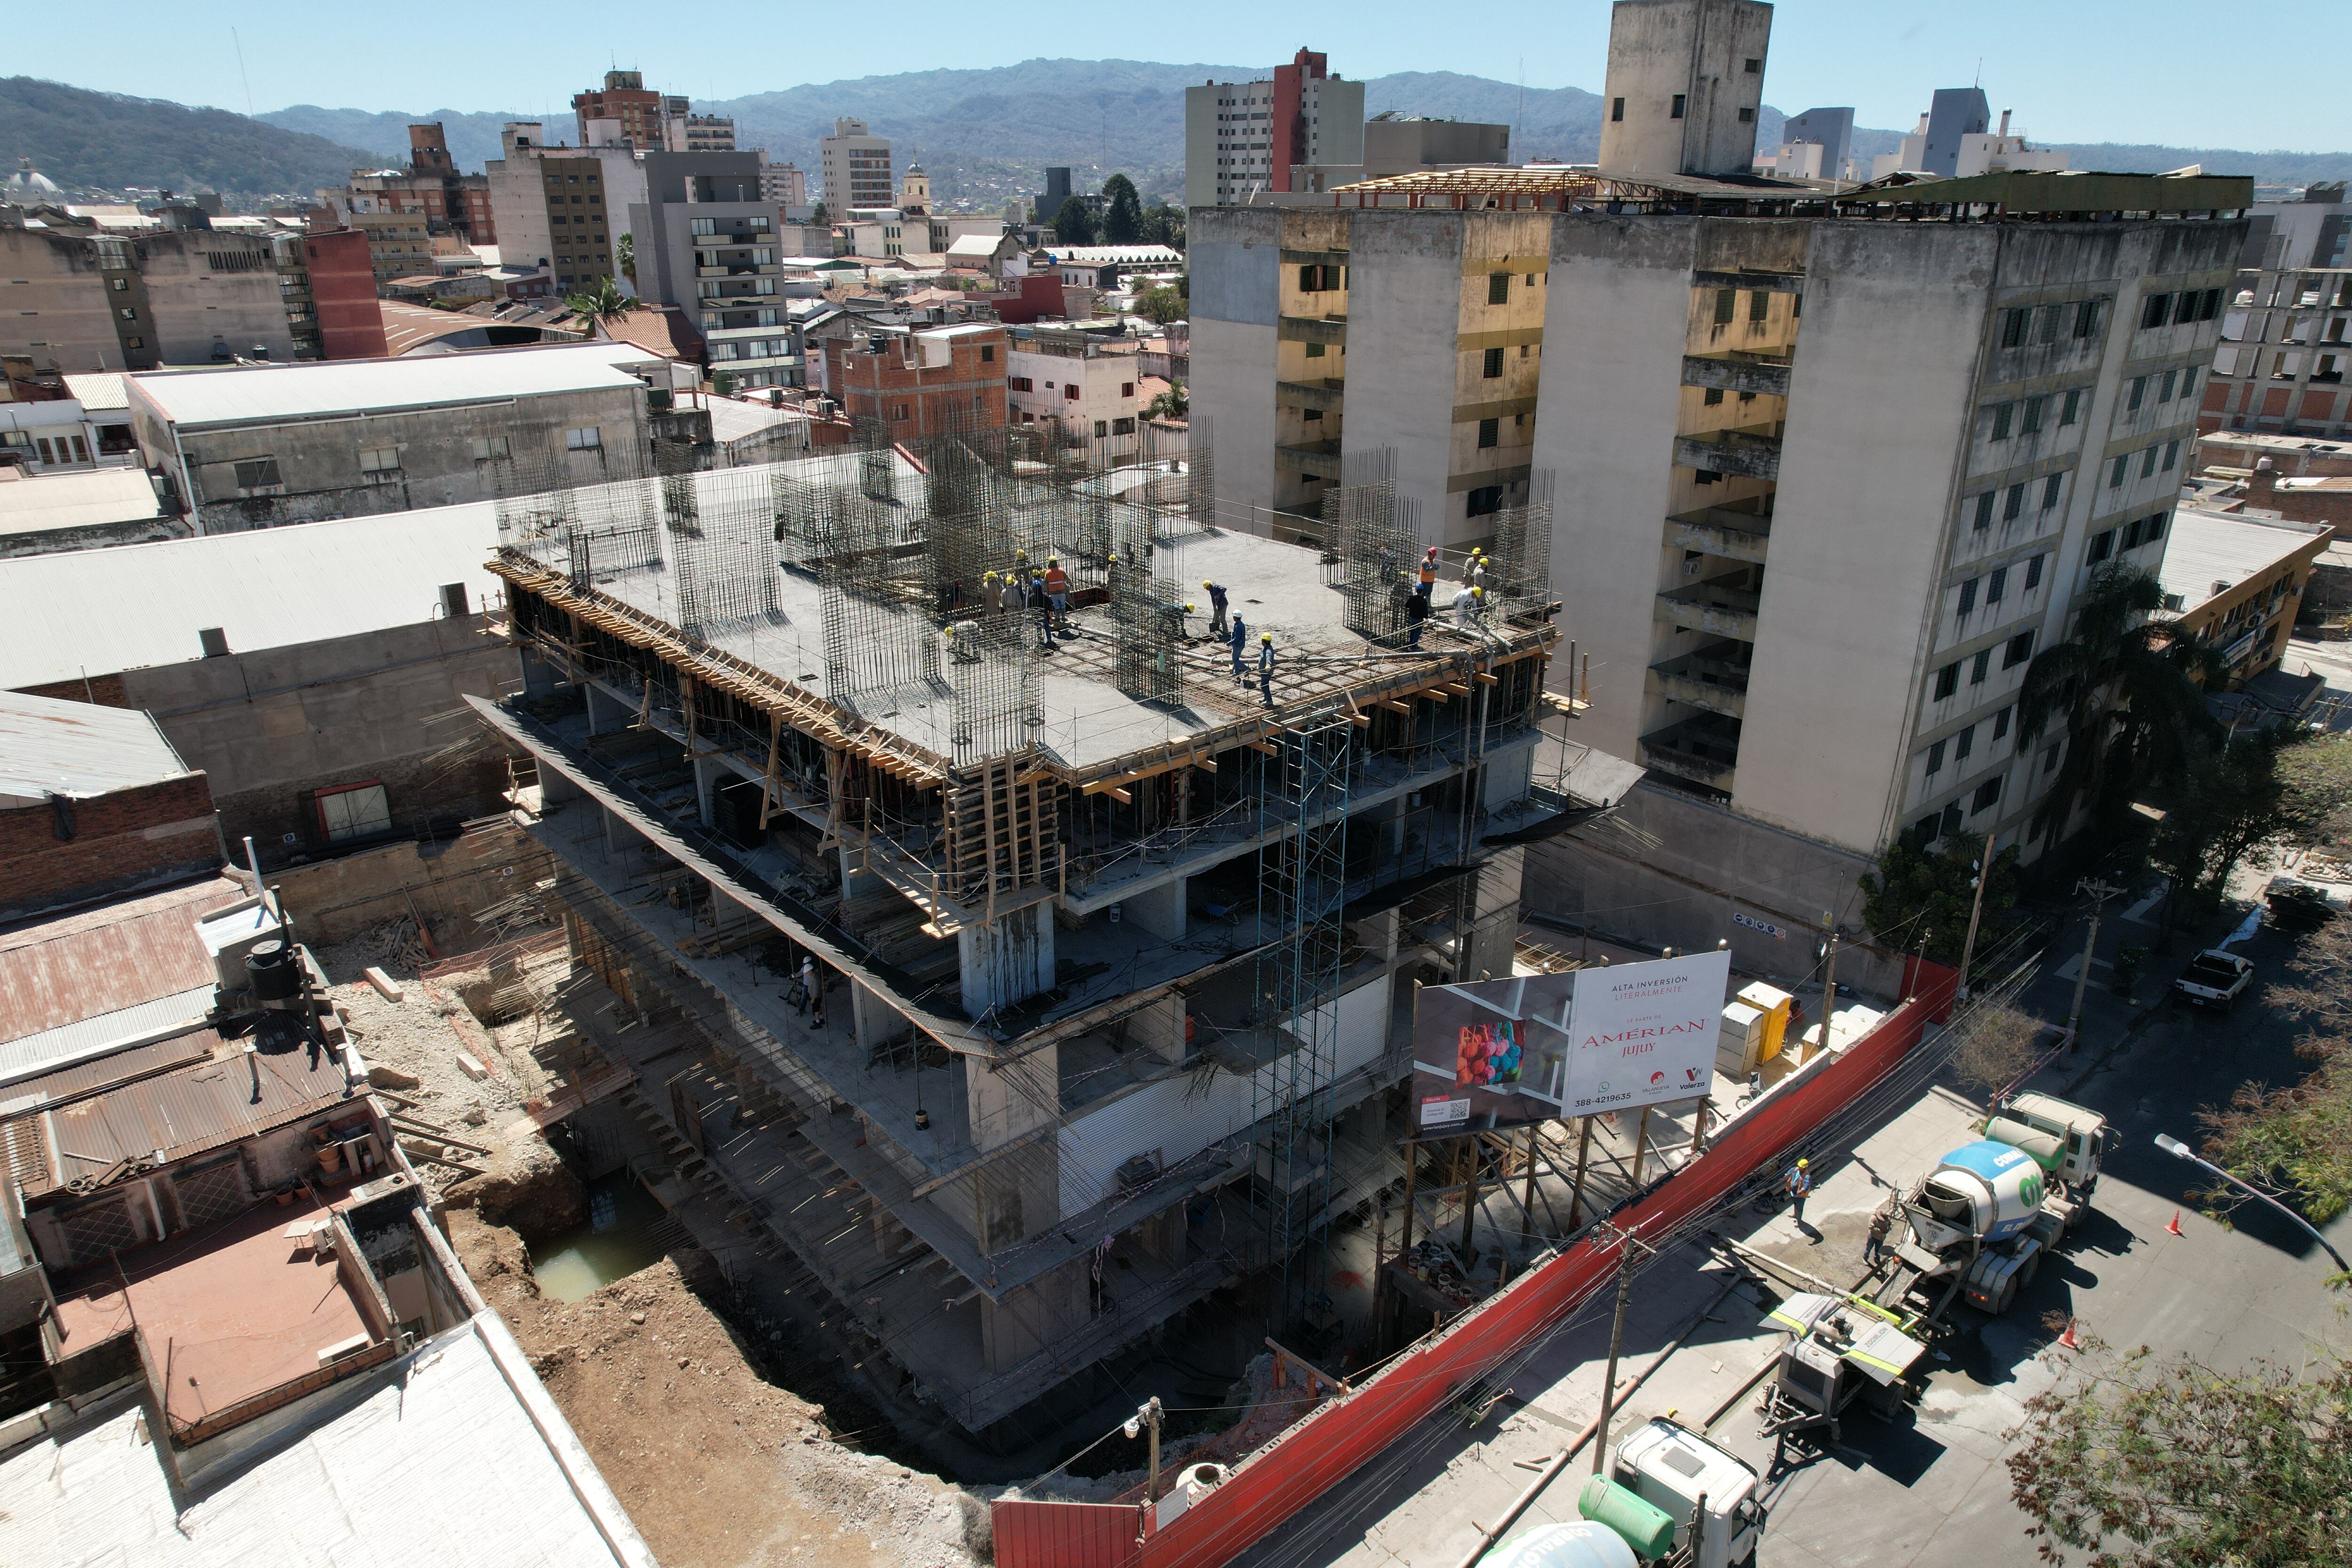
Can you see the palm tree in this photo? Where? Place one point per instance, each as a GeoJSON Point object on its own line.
{"type": "Point", "coordinates": [1173, 404]}
{"type": "Point", "coordinates": [601, 303]}
{"type": "Point", "coordinates": [624, 256]}
{"type": "Point", "coordinates": [2123, 691]}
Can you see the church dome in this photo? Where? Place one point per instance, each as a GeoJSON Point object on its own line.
{"type": "Point", "coordinates": [27, 184]}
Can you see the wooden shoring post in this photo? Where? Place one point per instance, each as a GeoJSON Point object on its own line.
{"type": "Point", "coordinates": [768, 779]}
{"type": "Point", "coordinates": [988, 833]}
{"type": "Point", "coordinates": [686, 700]}
{"type": "Point", "coordinates": [1527, 1204]}
{"type": "Point", "coordinates": [1641, 1146]}
{"type": "Point", "coordinates": [1576, 1188]}
{"type": "Point", "coordinates": [833, 773]}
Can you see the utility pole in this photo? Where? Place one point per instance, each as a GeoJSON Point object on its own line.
{"type": "Point", "coordinates": [1975, 911]}
{"type": "Point", "coordinates": [1616, 1343]}
{"type": "Point", "coordinates": [1146, 1414]}
{"type": "Point", "coordinates": [1829, 980]}
{"type": "Point", "coordinates": [2100, 892]}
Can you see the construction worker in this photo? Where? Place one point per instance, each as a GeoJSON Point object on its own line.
{"type": "Point", "coordinates": [1416, 616]}
{"type": "Point", "coordinates": [1465, 604]}
{"type": "Point", "coordinates": [987, 593]}
{"type": "Point", "coordinates": [1110, 574]}
{"type": "Point", "coordinates": [1022, 576]}
{"type": "Point", "coordinates": [1478, 570]}
{"type": "Point", "coordinates": [1057, 592]}
{"type": "Point", "coordinates": [1265, 667]}
{"type": "Point", "coordinates": [964, 641]}
{"type": "Point", "coordinates": [1216, 591]}
{"type": "Point", "coordinates": [1043, 607]}
{"type": "Point", "coordinates": [1237, 639]}
{"type": "Point", "coordinates": [1881, 1220]}
{"type": "Point", "coordinates": [1799, 1183]}
{"type": "Point", "coordinates": [1429, 571]}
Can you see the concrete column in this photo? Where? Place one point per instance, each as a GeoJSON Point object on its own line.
{"type": "Point", "coordinates": [1507, 776]}
{"type": "Point", "coordinates": [856, 883]}
{"type": "Point", "coordinates": [1493, 938]}
{"type": "Point", "coordinates": [875, 1021]}
{"type": "Point", "coordinates": [708, 772]}
{"type": "Point", "coordinates": [1008, 960]}
{"type": "Point", "coordinates": [1007, 1098]}
{"type": "Point", "coordinates": [1159, 910]}
{"type": "Point", "coordinates": [605, 712]}
{"type": "Point", "coordinates": [539, 675]}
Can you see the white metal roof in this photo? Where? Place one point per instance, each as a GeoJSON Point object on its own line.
{"type": "Point", "coordinates": [2209, 547]}
{"type": "Point", "coordinates": [981, 245]}
{"type": "Point", "coordinates": [97, 390]}
{"type": "Point", "coordinates": [75, 497]}
{"type": "Point", "coordinates": [732, 419]}
{"type": "Point", "coordinates": [247, 394]}
{"type": "Point", "coordinates": [49, 746]}
{"type": "Point", "coordinates": [459, 1460]}
{"type": "Point", "coordinates": [97, 612]}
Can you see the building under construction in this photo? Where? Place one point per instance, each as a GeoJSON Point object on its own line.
{"type": "Point", "coordinates": [1115, 947]}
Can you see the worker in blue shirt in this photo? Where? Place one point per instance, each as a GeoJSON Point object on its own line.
{"type": "Point", "coordinates": [1800, 1185]}
{"type": "Point", "coordinates": [1265, 667]}
{"type": "Point", "coordinates": [1238, 640]}
{"type": "Point", "coordinates": [1216, 607]}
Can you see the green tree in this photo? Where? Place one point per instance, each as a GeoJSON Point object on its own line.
{"type": "Point", "coordinates": [1123, 217]}
{"type": "Point", "coordinates": [2223, 802]}
{"type": "Point", "coordinates": [1160, 304]}
{"type": "Point", "coordinates": [2316, 778]}
{"type": "Point", "coordinates": [1173, 404]}
{"type": "Point", "coordinates": [2123, 693]}
{"type": "Point", "coordinates": [2134, 1461]}
{"type": "Point", "coordinates": [1074, 224]}
{"type": "Point", "coordinates": [1163, 224]}
{"type": "Point", "coordinates": [601, 303]}
{"type": "Point", "coordinates": [818, 213]}
{"type": "Point", "coordinates": [1916, 893]}
{"type": "Point", "coordinates": [624, 256]}
{"type": "Point", "coordinates": [2295, 1142]}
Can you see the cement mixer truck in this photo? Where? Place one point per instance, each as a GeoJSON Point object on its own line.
{"type": "Point", "coordinates": [1670, 1500]}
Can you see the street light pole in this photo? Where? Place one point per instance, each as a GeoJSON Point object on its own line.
{"type": "Point", "coordinates": [2176, 1148]}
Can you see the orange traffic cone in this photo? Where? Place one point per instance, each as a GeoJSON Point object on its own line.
{"type": "Point", "coordinates": [2067, 1341]}
{"type": "Point", "coordinates": [2172, 1225]}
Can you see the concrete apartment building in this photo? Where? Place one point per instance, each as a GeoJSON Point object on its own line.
{"type": "Point", "coordinates": [1245, 137]}
{"type": "Point", "coordinates": [708, 241]}
{"type": "Point", "coordinates": [1686, 79]}
{"type": "Point", "coordinates": [623, 110]}
{"type": "Point", "coordinates": [783, 185]}
{"type": "Point", "coordinates": [563, 209]}
{"type": "Point", "coordinates": [1816, 645]}
{"type": "Point", "coordinates": [703, 133]}
{"type": "Point", "coordinates": [1396, 143]}
{"type": "Point", "coordinates": [402, 211]}
{"type": "Point", "coordinates": [855, 168]}
{"type": "Point", "coordinates": [255, 447]}
{"type": "Point", "coordinates": [1077, 386]}
{"type": "Point", "coordinates": [920, 381]}
{"type": "Point", "coordinates": [74, 297]}
{"type": "Point", "coordinates": [2280, 366]}
{"type": "Point", "coordinates": [2236, 580]}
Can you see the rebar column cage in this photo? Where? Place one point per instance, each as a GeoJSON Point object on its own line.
{"type": "Point", "coordinates": [719, 530]}
{"type": "Point", "coordinates": [1200, 460]}
{"type": "Point", "coordinates": [1146, 612]}
{"type": "Point", "coordinates": [1375, 535]}
{"type": "Point", "coordinates": [874, 593]}
{"type": "Point", "coordinates": [1302, 886]}
{"type": "Point", "coordinates": [1522, 575]}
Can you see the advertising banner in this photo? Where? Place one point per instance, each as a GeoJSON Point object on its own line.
{"type": "Point", "coordinates": [1503, 1053]}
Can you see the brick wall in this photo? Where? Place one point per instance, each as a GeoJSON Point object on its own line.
{"type": "Point", "coordinates": [131, 839]}
{"type": "Point", "coordinates": [919, 400]}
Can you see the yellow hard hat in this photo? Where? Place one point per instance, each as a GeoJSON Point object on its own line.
{"type": "Point", "coordinates": [1804, 1164]}
{"type": "Point", "coordinates": [1053, 561]}
{"type": "Point", "coordinates": [1206, 584]}
{"type": "Point", "coordinates": [988, 577]}
{"type": "Point", "coordinates": [1477, 593]}
{"type": "Point", "coordinates": [1188, 608]}
{"type": "Point", "coordinates": [1266, 637]}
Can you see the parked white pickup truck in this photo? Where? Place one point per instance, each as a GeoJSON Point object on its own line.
{"type": "Point", "coordinates": [2214, 978]}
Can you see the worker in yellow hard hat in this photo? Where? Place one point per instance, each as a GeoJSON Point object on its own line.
{"type": "Point", "coordinates": [1265, 667]}
{"type": "Point", "coordinates": [1800, 1185]}
{"type": "Point", "coordinates": [1216, 591]}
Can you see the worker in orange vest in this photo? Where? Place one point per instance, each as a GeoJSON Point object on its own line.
{"type": "Point", "coordinates": [1429, 571]}
{"type": "Point", "coordinates": [1057, 592]}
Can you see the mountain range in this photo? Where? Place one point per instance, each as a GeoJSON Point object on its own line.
{"type": "Point", "coordinates": [985, 136]}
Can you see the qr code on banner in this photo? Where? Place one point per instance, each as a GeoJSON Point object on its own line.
{"type": "Point", "coordinates": [1444, 1113]}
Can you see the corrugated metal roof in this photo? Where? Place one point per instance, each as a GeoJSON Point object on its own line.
{"type": "Point", "coordinates": [133, 605]}
{"type": "Point", "coordinates": [224, 1096]}
{"type": "Point", "coordinates": [85, 498]}
{"type": "Point", "coordinates": [263, 393]}
{"type": "Point", "coordinates": [71, 1042]}
{"type": "Point", "coordinates": [99, 391]}
{"type": "Point", "coordinates": [49, 746]}
{"type": "Point", "coordinates": [69, 970]}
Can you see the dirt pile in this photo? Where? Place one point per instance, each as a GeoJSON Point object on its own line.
{"type": "Point", "coordinates": [717, 1468]}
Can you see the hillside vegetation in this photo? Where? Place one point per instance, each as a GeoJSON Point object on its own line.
{"type": "Point", "coordinates": [82, 138]}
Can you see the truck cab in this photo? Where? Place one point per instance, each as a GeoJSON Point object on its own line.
{"type": "Point", "coordinates": [2067, 1141]}
{"type": "Point", "coordinates": [1671, 1468]}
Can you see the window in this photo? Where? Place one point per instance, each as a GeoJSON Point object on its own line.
{"type": "Point", "coordinates": [1725, 302]}
{"type": "Point", "coordinates": [2147, 463]}
{"type": "Point", "coordinates": [1755, 68]}
{"type": "Point", "coordinates": [1490, 432]}
{"type": "Point", "coordinates": [1968, 597]}
{"type": "Point", "coordinates": [2001, 723]}
{"type": "Point", "coordinates": [1714, 396]}
{"type": "Point", "coordinates": [1028, 384]}
{"type": "Point", "coordinates": [2115, 474]}
{"type": "Point", "coordinates": [258, 474]}
{"type": "Point", "coordinates": [2163, 388]}
{"type": "Point", "coordinates": [1936, 759]}
{"type": "Point", "coordinates": [2001, 415]}
{"type": "Point", "coordinates": [1617, 110]}
{"type": "Point", "coordinates": [2132, 532]}
{"type": "Point", "coordinates": [2086, 319]}
{"type": "Point", "coordinates": [1978, 665]}
{"type": "Point", "coordinates": [2031, 420]}
{"type": "Point", "coordinates": [1069, 391]}
{"type": "Point", "coordinates": [2019, 650]}
{"type": "Point", "coordinates": [1491, 366]}
{"type": "Point", "coordinates": [988, 354]}
{"type": "Point", "coordinates": [1126, 389]}
{"type": "Point", "coordinates": [1498, 289]}
{"type": "Point", "coordinates": [1677, 112]}
{"type": "Point", "coordinates": [2102, 546]}
{"type": "Point", "coordinates": [489, 446]}
{"type": "Point", "coordinates": [1963, 744]}
{"type": "Point", "coordinates": [1984, 510]}
{"type": "Point", "coordinates": [130, 314]}
{"type": "Point", "coordinates": [587, 438]}
{"type": "Point", "coordinates": [1994, 585]}
{"type": "Point", "coordinates": [2171, 452]}
{"type": "Point", "coordinates": [352, 811]}
{"type": "Point", "coordinates": [1484, 501]}
{"type": "Point", "coordinates": [1314, 350]}
{"type": "Point", "coordinates": [2156, 526]}
{"type": "Point", "coordinates": [2050, 756]}
{"type": "Point", "coordinates": [2207, 304]}
{"type": "Point", "coordinates": [1102, 428]}
{"type": "Point", "coordinates": [2139, 390]}
{"type": "Point", "coordinates": [379, 460]}
{"type": "Point", "coordinates": [2070, 410]}
{"type": "Point", "coordinates": [2033, 575]}
{"type": "Point", "coordinates": [2153, 313]}
{"type": "Point", "coordinates": [1127, 427]}
{"type": "Point", "coordinates": [1987, 794]}
{"type": "Point", "coordinates": [1947, 681]}
{"type": "Point", "coordinates": [2187, 381]}
{"type": "Point", "coordinates": [122, 285]}
{"type": "Point", "coordinates": [2050, 487]}
{"type": "Point", "coordinates": [2050, 317]}
{"type": "Point", "coordinates": [2013, 325]}
{"type": "Point", "coordinates": [1760, 305]}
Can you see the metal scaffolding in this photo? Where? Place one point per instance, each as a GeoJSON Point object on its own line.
{"type": "Point", "coordinates": [1302, 885]}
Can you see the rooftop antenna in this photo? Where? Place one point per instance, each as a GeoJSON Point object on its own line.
{"type": "Point", "coordinates": [240, 44]}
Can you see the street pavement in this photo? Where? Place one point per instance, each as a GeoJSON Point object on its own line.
{"type": "Point", "coordinates": [1929, 1490]}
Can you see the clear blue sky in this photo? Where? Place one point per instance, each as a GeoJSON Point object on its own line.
{"type": "Point", "coordinates": [2076, 70]}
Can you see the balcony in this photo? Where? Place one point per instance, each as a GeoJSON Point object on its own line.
{"type": "Point", "coordinates": [1718, 605]}
{"type": "Point", "coordinates": [1736, 372]}
{"type": "Point", "coordinates": [1707, 679]}
{"type": "Point", "coordinates": [720, 241]}
{"type": "Point", "coordinates": [1324, 394]}
{"type": "Point", "coordinates": [1312, 330]}
{"type": "Point", "coordinates": [1317, 459]}
{"type": "Point", "coordinates": [1751, 452]}
{"type": "Point", "coordinates": [1738, 532]}
{"type": "Point", "coordinates": [739, 270]}
{"type": "Point", "coordinates": [1704, 752]}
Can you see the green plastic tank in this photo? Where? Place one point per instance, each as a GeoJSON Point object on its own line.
{"type": "Point", "coordinates": [1646, 1528]}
